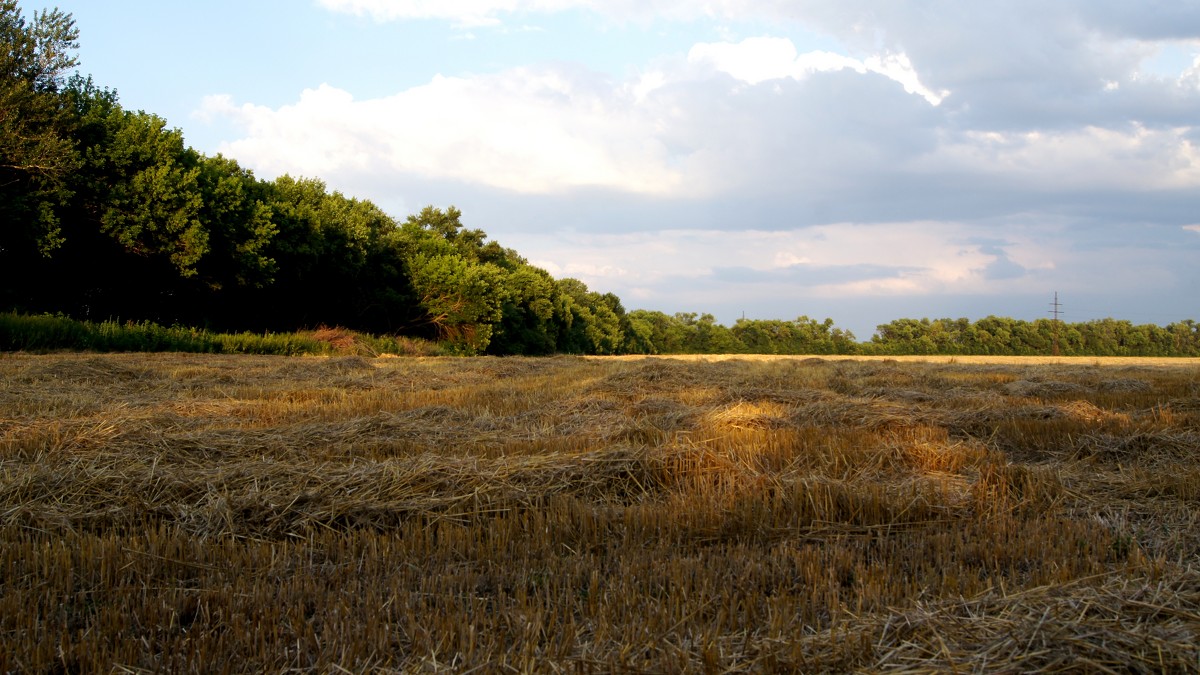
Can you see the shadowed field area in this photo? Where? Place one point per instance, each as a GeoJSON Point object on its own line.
{"type": "Point", "coordinates": [239, 513]}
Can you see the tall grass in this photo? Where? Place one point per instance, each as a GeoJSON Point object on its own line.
{"type": "Point", "coordinates": [44, 333]}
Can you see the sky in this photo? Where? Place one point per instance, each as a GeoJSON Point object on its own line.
{"type": "Point", "coordinates": [767, 159]}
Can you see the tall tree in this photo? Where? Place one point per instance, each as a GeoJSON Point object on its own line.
{"type": "Point", "coordinates": [154, 202]}
{"type": "Point", "coordinates": [591, 321]}
{"type": "Point", "coordinates": [36, 151]}
{"type": "Point", "coordinates": [34, 60]}
{"type": "Point", "coordinates": [459, 281]}
{"type": "Point", "coordinates": [527, 324]}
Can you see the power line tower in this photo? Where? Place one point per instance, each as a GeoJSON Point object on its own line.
{"type": "Point", "coordinates": [1056, 310]}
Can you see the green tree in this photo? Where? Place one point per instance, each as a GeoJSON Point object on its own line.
{"type": "Point", "coordinates": [36, 150]}
{"type": "Point", "coordinates": [639, 338]}
{"type": "Point", "coordinates": [703, 335]}
{"type": "Point", "coordinates": [592, 322]}
{"type": "Point", "coordinates": [462, 300]}
{"type": "Point", "coordinates": [656, 332]}
{"type": "Point", "coordinates": [1184, 338]}
{"type": "Point", "coordinates": [129, 227]}
{"type": "Point", "coordinates": [464, 285]}
{"type": "Point", "coordinates": [905, 336]}
{"type": "Point", "coordinates": [154, 201]}
{"type": "Point", "coordinates": [338, 261]}
{"type": "Point", "coordinates": [239, 221]}
{"type": "Point", "coordinates": [34, 60]}
{"type": "Point", "coordinates": [527, 324]}
{"type": "Point", "coordinates": [446, 227]}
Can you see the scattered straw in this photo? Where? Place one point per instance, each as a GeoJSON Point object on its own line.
{"type": "Point", "coordinates": [198, 513]}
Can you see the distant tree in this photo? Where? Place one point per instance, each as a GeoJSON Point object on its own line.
{"type": "Point", "coordinates": [461, 283]}
{"type": "Point", "coordinates": [654, 332]}
{"type": "Point", "coordinates": [1183, 338]}
{"type": "Point", "coordinates": [462, 300]}
{"type": "Point", "coordinates": [705, 336]}
{"type": "Point", "coordinates": [639, 338]}
{"type": "Point", "coordinates": [337, 260]}
{"type": "Point", "coordinates": [800, 336]}
{"type": "Point", "coordinates": [239, 220]}
{"type": "Point", "coordinates": [527, 323]}
{"type": "Point", "coordinates": [592, 322]}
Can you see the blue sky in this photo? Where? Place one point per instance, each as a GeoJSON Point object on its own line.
{"type": "Point", "coordinates": [763, 158]}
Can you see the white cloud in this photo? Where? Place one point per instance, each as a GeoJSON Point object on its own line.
{"type": "Point", "coordinates": [899, 68]}
{"type": "Point", "coordinates": [525, 130]}
{"type": "Point", "coordinates": [932, 250]}
{"type": "Point", "coordinates": [1192, 228]}
{"type": "Point", "coordinates": [1191, 76]}
{"type": "Point", "coordinates": [785, 259]}
{"type": "Point", "coordinates": [681, 133]}
{"type": "Point", "coordinates": [758, 59]}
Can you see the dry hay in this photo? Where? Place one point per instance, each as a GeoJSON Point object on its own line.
{"type": "Point", "coordinates": [1143, 447]}
{"type": "Point", "coordinates": [1112, 624]}
{"type": "Point", "coordinates": [864, 412]}
{"type": "Point", "coordinates": [909, 395]}
{"type": "Point", "coordinates": [1042, 388]}
{"type": "Point", "coordinates": [665, 414]}
{"type": "Point", "coordinates": [744, 415]}
{"type": "Point", "coordinates": [658, 375]}
{"type": "Point", "coordinates": [317, 367]}
{"type": "Point", "coordinates": [1123, 384]}
{"type": "Point", "coordinates": [191, 513]}
{"type": "Point", "coordinates": [90, 370]}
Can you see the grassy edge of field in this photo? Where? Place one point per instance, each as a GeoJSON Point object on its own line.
{"type": "Point", "coordinates": [47, 333]}
{"type": "Point", "coordinates": [50, 333]}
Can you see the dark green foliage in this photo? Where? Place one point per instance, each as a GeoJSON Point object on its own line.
{"type": "Point", "coordinates": [802, 336]}
{"type": "Point", "coordinates": [1013, 337]}
{"type": "Point", "coordinates": [333, 260]}
{"type": "Point", "coordinates": [36, 153]}
{"type": "Point", "coordinates": [109, 213]}
{"type": "Point", "coordinates": [529, 320]}
{"type": "Point", "coordinates": [689, 333]}
{"type": "Point", "coordinates": [593, 323]}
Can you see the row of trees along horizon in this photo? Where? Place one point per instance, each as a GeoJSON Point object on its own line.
{"type": "Point", "coordinates": [108, 213]}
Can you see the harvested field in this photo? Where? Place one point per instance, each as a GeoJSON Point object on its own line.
{"type": "Point", "coordinates": [247, 514]}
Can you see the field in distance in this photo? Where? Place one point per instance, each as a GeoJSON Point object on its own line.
{"type": "Point", "coordinates": [743, 514]}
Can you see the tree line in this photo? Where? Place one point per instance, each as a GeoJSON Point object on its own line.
{"type": "Point", "coordinates": [1014, 337]}
{"type": "Point", "coordinates": [108, 213]}
{"type": "Point", "coordinates": [656, 332]}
